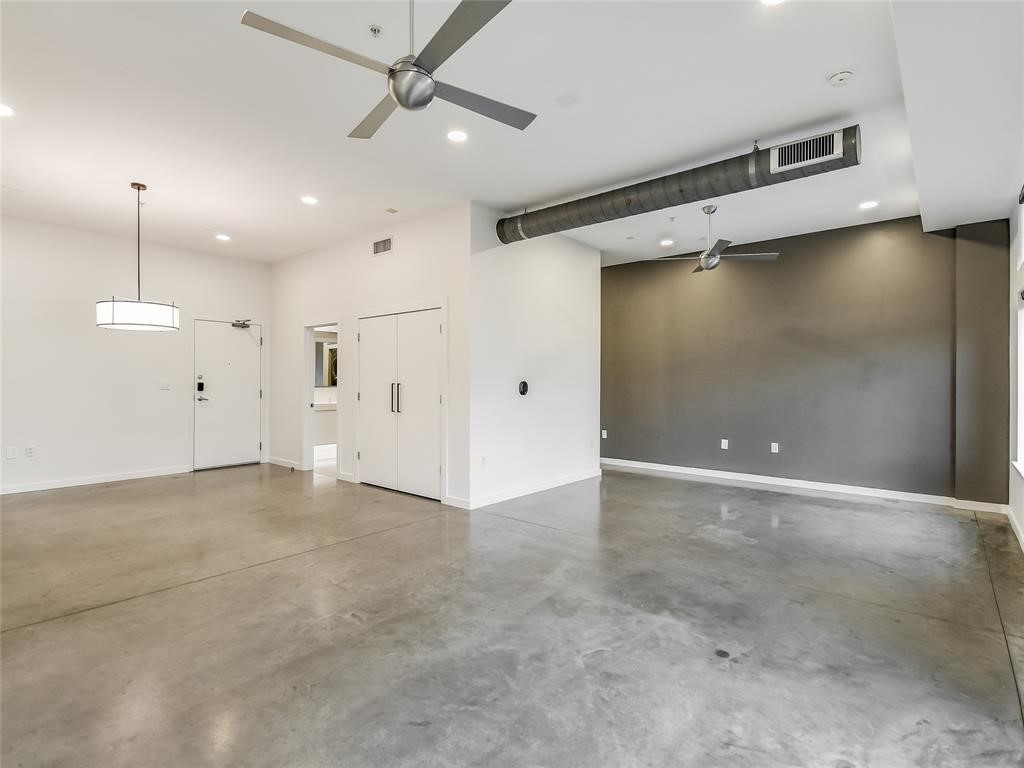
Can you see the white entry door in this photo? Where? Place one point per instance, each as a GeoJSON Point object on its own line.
{"type": "Point", "coordinates": [227, 394]}
{"type": "Point", "coordinates": [419, 403]}
{"type": "Point", "coordinates": [378, 392]}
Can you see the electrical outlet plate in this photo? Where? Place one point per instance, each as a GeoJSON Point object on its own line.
{"type": "Point", "coordinates": [775, 447]}
{"type": "Point", "coordinates": [30, 452]}
{"type": "Point", "coordinates": [725, 444]}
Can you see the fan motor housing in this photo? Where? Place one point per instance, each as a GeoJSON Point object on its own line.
{"type": "Point", "coordinates": [410, 86]}
{"type": "Point", "coordinates": [709, 260]}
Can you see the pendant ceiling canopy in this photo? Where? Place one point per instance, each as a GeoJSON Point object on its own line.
{"type": "Point", "coordinates": [135, 314]}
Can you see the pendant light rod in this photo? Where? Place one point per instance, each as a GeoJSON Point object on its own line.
{"type": "Point", "coordinates": [138, 187]}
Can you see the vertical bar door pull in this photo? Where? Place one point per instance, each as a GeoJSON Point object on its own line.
{"type": "Point", "coordinates": [392, 397]}
{"type": "Point", "coordinates": [399, 397]}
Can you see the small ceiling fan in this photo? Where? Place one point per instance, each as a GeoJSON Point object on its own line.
{"type": "Point", "coordinates": [713, 256]}
{"type": "Point", "coordinates": [411, 83]}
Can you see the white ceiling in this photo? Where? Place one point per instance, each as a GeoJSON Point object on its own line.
{"type": "Point", "coordinates": [966, 105]}
{"type": "Point", "coordinates": [229, 126]}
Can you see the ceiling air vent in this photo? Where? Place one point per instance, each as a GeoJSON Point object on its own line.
{"type": "Point", "coordinates": [383, 246]}
{"type": "Point", "coordinates": [817, 149]}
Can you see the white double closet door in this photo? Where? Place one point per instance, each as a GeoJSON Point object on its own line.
{"type": "Point", "coordinates": [400, 358]}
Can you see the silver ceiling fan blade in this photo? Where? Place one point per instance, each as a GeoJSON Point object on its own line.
{"type": "Point", "coordinates": [751, 256]}
{"type": "Point", "coordinates": [677, 258]}
{"type": "Point", "coordinates": [503, 113]}
{"type": "Point", "coordinates": [466, 20]}
{"type": "Point", "coordinates": [374, 120]}
{"type": "Point", "coordinates": [264, 24]}
{"type": "Point", "coordinates": [717, 248]}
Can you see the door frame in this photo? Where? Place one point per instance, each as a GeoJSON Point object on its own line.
{"type": "Point", "coordinates": [403, 309]}
{"type": "Point", "coordinates": [265, 448]}
{"type": "Point", "coordinates": [309, 381]}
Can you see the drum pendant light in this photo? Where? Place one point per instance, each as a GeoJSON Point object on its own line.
{"type": "Point", "coordinates": [136, 314]}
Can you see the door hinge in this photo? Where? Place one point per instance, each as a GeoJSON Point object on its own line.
{"type": "Point", "coordinates": [359, 337]}
{"type": "Point", "coordinates": [261, 445]}
{"type": "Point", "coordinates": [440, 398]}
{"type": "Point", "coordinates": [261, 341]}
{"type": "Point", "coordinates": [358, 456]}
{"type": "Point", "coordinates": [440, 329]}
{"type": "Point", "coordinates": [359, 395]}
{"type": "Point", "coordinates": [261, 393]}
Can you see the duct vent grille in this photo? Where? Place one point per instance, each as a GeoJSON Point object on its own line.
{"type": "Point", "coordinates": [383, 246]}
{"type": "Point", "coordinates": [817, 149]}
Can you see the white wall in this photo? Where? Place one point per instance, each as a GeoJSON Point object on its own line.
{"type": "Point", "coordinates": [88, 399]}
{"type": "Point", "coordinates": [430, 264]}
{"type": "Point", "coordinates": [536, 316]}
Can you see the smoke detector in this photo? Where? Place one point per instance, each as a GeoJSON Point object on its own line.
{"type": "Point", "coordinates": [375, 31]}
{"type": "Point", "coordinates": [840, 78]}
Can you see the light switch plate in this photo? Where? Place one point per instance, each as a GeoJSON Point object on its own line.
{"type": "Point", "coordinates": [604, 434]}
{"type": "Point", "coordinates": [12, 453]}
{"type": "Point", "coordinates": [725, 444]}
{"type": "Point", "coordinates": [775, 447]}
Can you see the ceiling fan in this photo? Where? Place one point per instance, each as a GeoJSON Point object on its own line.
{"type": "Point", "coordinates": [411, 83]}
{"type": "Point", "coordinates": [713, 256]}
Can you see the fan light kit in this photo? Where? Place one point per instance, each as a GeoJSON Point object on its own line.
{"type": "Point", "coordinates": [411, 83]}
{"type": "Point", "coordinates": [867, 205]}
{"type": "Point", "coordinates": [136, 314]}
{"type": "Point", "coordinates": [713, 256]}
{"type": "Point", "coordinates": [6, 111]}
{"type": "Point", "coordinates": [666, 243]}
{"type": "Point", "coordinates": [223, 238]}
{"type": "Point", "coordinates": [457, 137]}
{"type": "Point", "coordinates": [309, 200]}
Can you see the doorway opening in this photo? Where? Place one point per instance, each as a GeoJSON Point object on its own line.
{"type": "Point", "coordinates": [320, 446]}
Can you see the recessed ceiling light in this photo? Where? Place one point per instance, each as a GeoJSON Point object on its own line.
{"type": "Point", "coordinates": [867, 205]}
{"type": "Point", "coordinates": [309, 200]}
{"type": "Point", "coordinates": [457, 136]}
{"type": "Point", "coordinates": [6, 111]}
{"type": "Point", "coordinates": [223, 238]}
{"type": "Point", "coordinates": [772, 2]}
{"type": "Point", "coordinates": [666, 243]}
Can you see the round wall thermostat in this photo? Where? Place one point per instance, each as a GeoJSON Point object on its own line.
{"type": "Point", "coordinates": [840, 78]}
{"type": "Point", "coordinates": [523, 387]}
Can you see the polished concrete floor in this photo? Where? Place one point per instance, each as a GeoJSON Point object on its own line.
{"type": "Point", "coordinates": [257, 617]}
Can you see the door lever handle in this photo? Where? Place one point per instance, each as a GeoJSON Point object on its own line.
{"type": "Point", "coordinates": [201, 398]}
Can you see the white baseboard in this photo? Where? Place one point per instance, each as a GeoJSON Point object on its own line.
{"type": "Point", "coordinates": [494, 498]}
{"type": "Point", "coordinates": [804, 486]}
{"type": "Point", "coordinates": [1017, 529]}
{"type": "Point", "coordinates": [69, 482]}
{"type": "Point", "coordinates": [285, 462]}
{"type": "Point", "coordinates": [456, 501]}
{"type": "Point", "coordinates": [348, 477]}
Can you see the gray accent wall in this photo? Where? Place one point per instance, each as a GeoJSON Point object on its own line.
{"type": "Point", "coordinates": [844, 352]}
{"type": "Point", "coordinates": [982, 361]}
